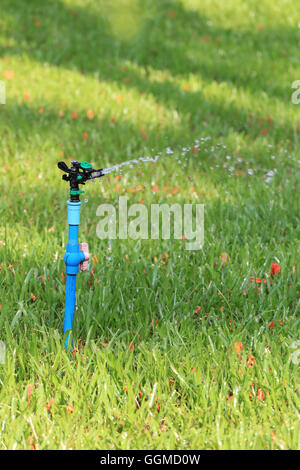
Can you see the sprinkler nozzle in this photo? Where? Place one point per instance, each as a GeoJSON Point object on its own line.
{"type": "Point", "coordinates": [79, 173]}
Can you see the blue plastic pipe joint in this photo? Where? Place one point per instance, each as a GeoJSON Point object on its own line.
{"type": "Point", "coordinates": [73, 258]}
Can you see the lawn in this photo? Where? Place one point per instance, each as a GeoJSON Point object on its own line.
{"type": "Point", "coordinates": [173, 349]}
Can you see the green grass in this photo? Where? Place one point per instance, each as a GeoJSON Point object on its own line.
{"type": "Point", "coordinates": [150, 373]}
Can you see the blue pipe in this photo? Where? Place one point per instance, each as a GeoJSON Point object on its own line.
{"type": "Point", "coordinates": [73, 258]}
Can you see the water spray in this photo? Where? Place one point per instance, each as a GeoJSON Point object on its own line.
{"type": "Point", "coordinates": [77, 255]}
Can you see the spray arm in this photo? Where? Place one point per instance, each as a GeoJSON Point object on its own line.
{"type": "Point", "coordinates": [78, 173]}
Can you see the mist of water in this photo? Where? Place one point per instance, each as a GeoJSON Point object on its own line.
{"type": "Point", "coordinates": [183, 153]}
{"type": "Point", "coordinates": [129, 163]}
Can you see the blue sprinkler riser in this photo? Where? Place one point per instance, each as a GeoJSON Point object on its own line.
{"type": "Point", "coordinates": [70, 308]}
{"type": "Point", "coordinates": [73, 258]}
{"type": "Point", "coordinates": [73, 213]}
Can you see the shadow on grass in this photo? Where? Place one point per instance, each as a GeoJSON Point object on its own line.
{"type": "Point", "coordinates": [183, 44]}
{"type": "Point", "coordinates": [82, 39]}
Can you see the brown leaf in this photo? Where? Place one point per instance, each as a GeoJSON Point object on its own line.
{"type": "Point", "coordinates": [48, 406]}
{"type": "Point", "coordinates": [70, 409]}
{"type": "Point", "coordinates": [29, 393]}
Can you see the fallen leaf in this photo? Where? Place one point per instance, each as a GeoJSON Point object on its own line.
{"type": "Point", "coordinates": [29, 393]}
{"type": "Point", "coordinates": [260, 395]}
{"type": "Point", "coordinates": [238, 347]}
{"type": "Point", "coordinates": [48, 405]}
{"type": "Point", "coordinates": [70, 409]}
{"type": "Point", "coordinates": [8, 74]}
{"type": "Point", "coordinates": [90, 114]}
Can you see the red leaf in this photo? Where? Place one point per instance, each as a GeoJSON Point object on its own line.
{"type": "Point", "coordinates": [275, 269]}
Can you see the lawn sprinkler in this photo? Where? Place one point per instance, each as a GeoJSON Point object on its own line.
{"type": "Point", "coordinates": [77, 255]}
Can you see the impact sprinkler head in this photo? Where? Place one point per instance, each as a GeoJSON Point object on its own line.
{"type": "Point", "coordinates": [79, 173]}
